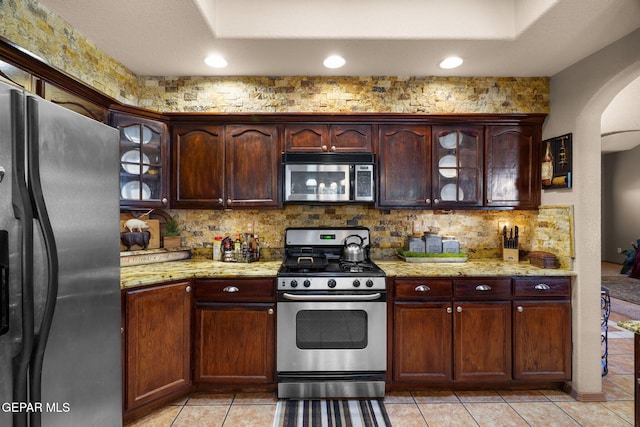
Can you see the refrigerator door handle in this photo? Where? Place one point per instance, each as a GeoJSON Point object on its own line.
{"type": "Point", "coordinates": [4, 282]}
{"type": "Point", "coordinates": [35, 372]}
{"type": "Point", "coordinates": [23, 212]}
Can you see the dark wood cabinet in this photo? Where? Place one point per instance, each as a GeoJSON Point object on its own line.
{"type": "Point", "coordinates": [157, 342]}
{"type": "Point", "coordinates": [235, 331]}
{"type": "Point", "coordinates": [457, 164]}
{"type": "Point", "coordinates": [225, 166]}
{"type": "Point", "coordinates": [422, 325]}
{"type": "Point", "coordinates": [197, 165]}
{"type": "Point", "coordinates": [144, 160]}
{"type": "Point", "coordinates": [542, 329]}
{"type": "Point", "coordinates": [252, 159]}
{"type": "Point", "coordinates": [513, 166]}
{"type": "Point", "coordinates": [481, 331]}
{"type": "Point", "coordinates": [404, 166]}
{"type": "Point", "coordinates": [336, 137]}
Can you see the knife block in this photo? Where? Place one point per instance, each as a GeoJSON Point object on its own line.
{"type": "Point", "coordinates": [510, 255]}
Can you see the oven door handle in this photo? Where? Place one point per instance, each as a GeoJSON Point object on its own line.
{"type": "Point", "coordinates": [366, 297]}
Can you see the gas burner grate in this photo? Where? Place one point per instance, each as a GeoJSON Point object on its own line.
{"type": "Point", "coordinates": [355, 267]}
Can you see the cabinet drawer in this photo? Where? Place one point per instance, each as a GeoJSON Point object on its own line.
{"type": "Point", "coordinates": [231, 290]}
{"type": "Point", "coordinates": [542, 286]}
{"type": "Point", "coordinates": [482, 288]}
{"type": "Point", "coordinates": [423, 289]}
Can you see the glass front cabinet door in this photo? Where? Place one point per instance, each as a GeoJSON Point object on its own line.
{"type": "Point", "coordinates": [457, 166]}
{"type": "Point", "coordinates": [143, 160]}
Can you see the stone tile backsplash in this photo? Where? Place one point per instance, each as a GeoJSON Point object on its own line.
{"type": "Point", "coordinates": [549, 229]}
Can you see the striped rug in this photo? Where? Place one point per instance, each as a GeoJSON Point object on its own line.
{"type": "Point", "coordinates": [331, 413]}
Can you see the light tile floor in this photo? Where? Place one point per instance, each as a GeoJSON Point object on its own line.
{"type": "Point", "coordinates": [444, 408]}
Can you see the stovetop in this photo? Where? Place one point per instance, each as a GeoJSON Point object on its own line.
{"type": "Point", "coordinates": [313, 261]}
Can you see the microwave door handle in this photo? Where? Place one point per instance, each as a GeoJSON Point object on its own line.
{"type": "Point", "coordinates": [339, 297]}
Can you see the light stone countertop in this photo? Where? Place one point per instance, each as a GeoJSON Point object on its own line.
{"type": "Point", "coordinates": [630, 325]}
{"type": "Point", "coordinates": [149, 274]}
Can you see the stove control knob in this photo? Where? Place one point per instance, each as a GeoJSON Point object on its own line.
{"type": "Point", "coordinates": [369, 283]}
{"type": "Point", "coordinates": [331, 283]}
{"type": "Point", "coordinates": [294, 283]}
{"type": "Point", "coordinates": [307, 283]}
{"type": "Point", "coordinates": [356, 283]}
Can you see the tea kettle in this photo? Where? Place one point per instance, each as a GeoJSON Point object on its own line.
{"type": "Point", "coordinates": [354, 252]}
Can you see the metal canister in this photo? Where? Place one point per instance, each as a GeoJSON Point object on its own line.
{"type": "Point", "coordinates": [415, 244]}
{"type": "Point", "coordinates": [433, 243]}
{"type": "Point", "coordinates": [450, 245]}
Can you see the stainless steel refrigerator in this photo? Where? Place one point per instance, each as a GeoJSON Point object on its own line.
{"type": "Point", "coordinates": [60, 342]}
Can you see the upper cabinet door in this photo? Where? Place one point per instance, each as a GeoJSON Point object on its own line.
{"type": "Point", "coordinates": [143, 161]}
{"type": "Point", "coordinates": [404, 166]}
{"type": "Point", "coordinates": [252, 161]}
{"type": "Point", "coordinates": [197, 165]}
{"type": "Point", "coordinates": [513, 166]}
{"type": "Point", "coordinates": [330, 138]}
{"type": "Point", "coordinates": [457, 166]}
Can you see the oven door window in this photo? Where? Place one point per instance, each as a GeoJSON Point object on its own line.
{"type": "Point", "coordinates": [331, 329]}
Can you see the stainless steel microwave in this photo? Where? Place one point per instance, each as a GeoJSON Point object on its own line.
{"type": "Point", "coordinates": [329, 177]}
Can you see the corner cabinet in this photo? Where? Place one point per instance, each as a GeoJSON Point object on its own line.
{"type": "Point", "coordinates": [513, 166]}
{"type": "Point", "coordinates": [224, 166]}
{"type": "Point", "coordinates": [157, 352]}
{"type": "Point", "coordinates": [144, 156]}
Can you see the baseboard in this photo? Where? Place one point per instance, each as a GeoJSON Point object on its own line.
{"type": "Point", "coordinates": [584, 397]}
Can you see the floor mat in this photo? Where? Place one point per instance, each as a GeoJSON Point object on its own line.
{"type": "Point", "coordinates": [331, 413]}
{"type": "Point", "coordinates": [622, 287]}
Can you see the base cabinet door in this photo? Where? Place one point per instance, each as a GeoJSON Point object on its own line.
{"type": "Point", "coordinates": [158, 342]}
{"type": "Point", "coordinates": [422, 342]}
{"type": "Point", "coordinates": [482, 337]}
{"type": "Point", "coordinates": [542, 340]}
{"type": "Point", "coordinates": [235, 343]}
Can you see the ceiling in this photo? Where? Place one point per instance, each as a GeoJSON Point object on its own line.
{"type": "Point", "coordinates": [520, 38]}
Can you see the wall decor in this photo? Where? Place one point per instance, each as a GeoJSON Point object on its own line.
{"type": "Point", "coordinates": [557, 159]}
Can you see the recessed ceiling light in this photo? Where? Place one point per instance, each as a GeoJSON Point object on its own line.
{"type": "Point", "coordinates": [216, 61]}
{"type": "Point", "coordinates": [451, 62]}
{"type": "Point", "coordinates": [334, 61]}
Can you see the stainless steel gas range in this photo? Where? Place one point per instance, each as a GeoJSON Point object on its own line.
{"type": "Point", "coordinates": [331, 316]}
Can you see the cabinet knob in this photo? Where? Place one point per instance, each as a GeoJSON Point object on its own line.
{"type": "Point", "coordinates": [436, 201]}
{"type": "Point", "coordinates": [2, 172]}
{"type": "Point", "coordinates": [428, 201]}
{"type": "Point", "coordinates": [449, 310]}
{"type": "Point", "coordinates": [542, 287]}
{"type": "Point", "coordinates": [333, 148]}
{"type": "Point", "coordinates": [483, 288]}
{"type": "Point", "coordinates": [324, 148]}
{"type": "Point", "coordinates": [164, 201]}
{"type": "Point", "coordinates": [230, 289]}
{"type": "Point", "coordinates": [220, 201]}
{"type": "Point", "coordinates": [270, 311]}
{"type": "Point", "coordinates": [228, 201]}
{"type": "Point", "coordinates": [422, 288]}
{"type": "Point", "coordinates": [459, 309]}
{"type": "Point", "coordinates": [519, 309]}
{"type": "Point", "coordinates": [188, 289]}
{"type": "Point", "coordinates": [122, 330]}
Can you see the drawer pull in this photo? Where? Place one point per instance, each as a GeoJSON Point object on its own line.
{"type": "Point", "coordinates": [483, 288]}
{"type": "Point", "coordinates": [231, 289]}
{"type": "Point", "coordinates": [542, 287]}
{"type": "Point", "coordinates": [422, 288]}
